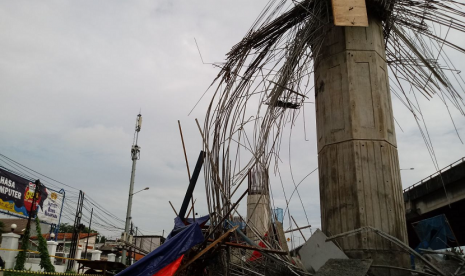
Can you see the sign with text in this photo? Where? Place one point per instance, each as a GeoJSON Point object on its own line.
{"type": "Point", "coordinates": [17, 194]}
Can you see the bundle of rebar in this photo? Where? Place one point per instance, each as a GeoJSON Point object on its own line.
{"type": "Point", "coordinates": [267, 77]}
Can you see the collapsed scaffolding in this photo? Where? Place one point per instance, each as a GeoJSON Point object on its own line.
{"type": "Point", "coordinates": [261, 91]}
{"type": "Point", "coordinates": [266, 81]}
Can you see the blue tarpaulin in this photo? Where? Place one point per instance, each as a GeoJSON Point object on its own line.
{"type": "Point", "coordinates": [167, 253]}
{"type": "Point", "coordinates": [434, 233]}
{"type": "Point", "coordinates": [179, 225]}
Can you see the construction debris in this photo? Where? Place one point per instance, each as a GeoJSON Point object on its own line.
{"type": "Point", "coordinates": [263, 86]}
{"type": "Point", "coordinates": [317, 251]}
{"type": "Point", "coordinates": [344, 267]}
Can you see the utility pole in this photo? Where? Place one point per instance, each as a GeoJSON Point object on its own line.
{"type": "Point", "coordinates": [76, 231]}
{"type": "Point", "coordinates": [131, 250]}
{"type": "Point", "coordinates": [135, 155]}
{"type": "Point", "coordinates": [88, 234]}
{"type": "Point", "coordinates": [135, 243]}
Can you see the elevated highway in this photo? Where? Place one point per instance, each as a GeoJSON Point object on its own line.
{"type": "Point", "coordinates": [440, 193]}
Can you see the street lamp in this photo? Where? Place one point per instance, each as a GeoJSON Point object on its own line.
{"type": "Point", "coordinates": [146, 188]}
{"type": "Point", "coordinates": [409, 169]}
{"type": "Point", "coordinates": [52, 236]}
{"type": "Point", "coordinates": [13, 227]}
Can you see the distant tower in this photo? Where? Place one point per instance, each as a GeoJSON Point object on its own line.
{"type": "Point", "coordinates": [135, 155]}
{"type": "Point", "coordinates": [258, 203]}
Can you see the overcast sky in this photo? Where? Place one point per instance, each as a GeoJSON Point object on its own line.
{"type": "Point", "coordinates": [74, 75]}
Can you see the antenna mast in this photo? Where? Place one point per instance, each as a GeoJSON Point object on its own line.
{"type": "Point", "coordinates": [135, 155]}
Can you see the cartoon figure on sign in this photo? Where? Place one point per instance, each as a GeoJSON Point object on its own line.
{"type": "Point", "coordinates": [29, 195]}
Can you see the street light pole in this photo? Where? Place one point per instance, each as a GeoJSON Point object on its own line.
{"type": "Point", "coordinates": [146, 188]}
{"type": "Point", "coordinates": [135, 155]}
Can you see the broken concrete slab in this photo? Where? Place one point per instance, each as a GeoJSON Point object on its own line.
{"type": "Point", "coordinates": [344, 267]}
{"type": "Point", "coordinates": [317, 251]}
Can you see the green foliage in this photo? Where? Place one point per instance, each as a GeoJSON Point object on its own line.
{"type": "Point", "coordinates": [21, 257]}
{"type": "Point", "coordinates": [68, 228]}
{"type": "Point", "coordinates": [2, 227]}
{"type": "Point", "coordinates": [101, 239]}
{"type": "Point", "coordinates": [45, 262]}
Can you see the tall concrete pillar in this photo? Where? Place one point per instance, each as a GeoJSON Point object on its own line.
{"type": "Point", "coordinates": [258, 204]}
{"type": "Point", "coordinates": [357, 151]}
{"type": "Point", "coordinates": [258, 215]}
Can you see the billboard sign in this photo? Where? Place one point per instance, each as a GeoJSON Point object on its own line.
{"type": "Point", "coordinates": [17, 193]}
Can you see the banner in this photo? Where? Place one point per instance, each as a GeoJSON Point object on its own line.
{"type": "Point", "coordinates": [17, 193]}
{"type": "Point", "coordinates": [50, 208]}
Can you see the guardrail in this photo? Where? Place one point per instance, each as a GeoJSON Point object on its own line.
{"type": "Point", "coordinates": [460, 161]}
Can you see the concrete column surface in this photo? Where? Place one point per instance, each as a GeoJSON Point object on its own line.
{"type": "Point", "coordinates": [358, 164]}
{"type": "Point", "coordinates": [52, 249]}
{"type": "Point", "coordinates": [96, 255]}
{"type": "Point", "coordinates": [258, 215]}
{"type": "Point", "coordinates": [9, 241]}
{"type": "Point", "coordinates": [111, 257]}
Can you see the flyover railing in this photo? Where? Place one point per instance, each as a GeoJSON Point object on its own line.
{"type": "Point", "coordinates": [458, 162]}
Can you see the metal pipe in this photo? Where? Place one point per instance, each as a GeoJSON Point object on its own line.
{"type": "Point", "coordinates": [190, 189]}
{"type": "Point", "coordinates": [88, 233]}
{"type": "Point", "coordinates": [135, 154]}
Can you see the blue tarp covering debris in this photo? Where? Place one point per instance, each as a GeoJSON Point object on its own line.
{"type": "Point", "coordinates": [179, 225]}
{"type": "Point", "coordinates": [434, 233]}
{"type": "Point", "coordinates": [167, 253]}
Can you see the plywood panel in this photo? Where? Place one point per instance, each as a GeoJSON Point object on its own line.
{"type": "Point", "coordinates": [350, 13]}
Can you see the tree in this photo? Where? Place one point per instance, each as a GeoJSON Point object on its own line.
{"type": "Point", "coordinates": [45, 262]}
{"type": "Point", "coordinates": [101, 239]}
{"type": "Point", "coordinates": [21, 257]}
{"type": "Point", "coordinates": [68, 228]}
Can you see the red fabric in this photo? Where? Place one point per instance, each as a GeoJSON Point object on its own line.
{"type": "Point", "coordinates": [170, 269]}
{"type": "Point", "coordinates": [256, 255]}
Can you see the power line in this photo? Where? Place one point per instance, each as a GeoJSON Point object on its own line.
{"type": "Point", "coordinates": [38, 172]}
{"type": "Point", "coordinates": [104, 219]}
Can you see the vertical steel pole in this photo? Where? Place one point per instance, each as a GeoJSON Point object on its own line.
{"type": "Point", "coordinates": [128, 213]}
{"type": "Point", "coordinates": [88, 234]}
{"type": "Point", "coordinates": [57, 230]}
{"type": "Point", "coordinates": [135, 154]}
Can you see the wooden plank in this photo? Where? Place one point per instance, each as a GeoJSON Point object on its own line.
{"type": "Point", "coordinates": [173, 208]}
{"type": "Point", "coordinates": [300, 228]}
{"type": "Point", "coordinates": [350, 13]}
